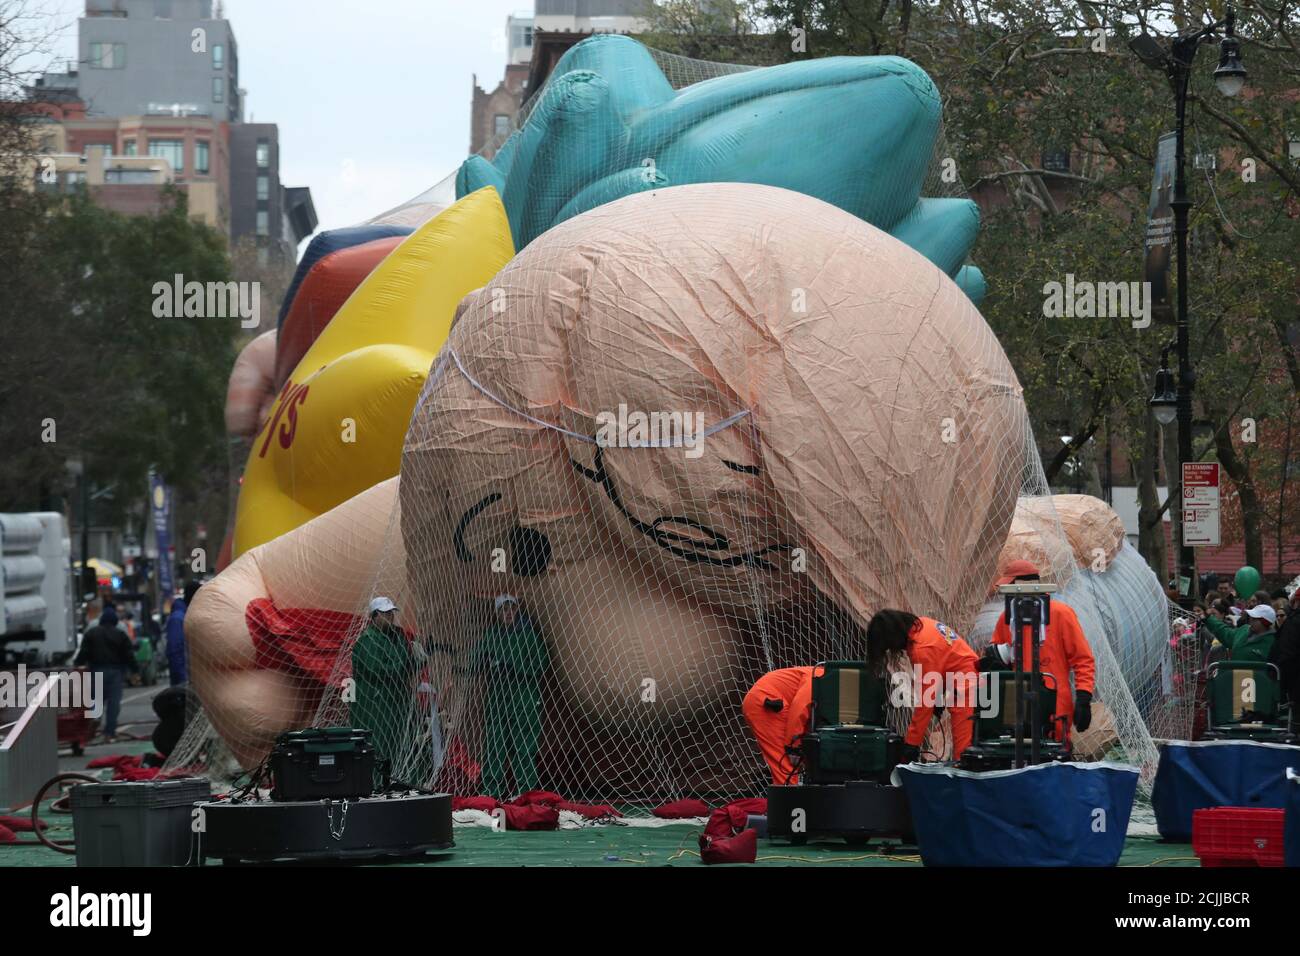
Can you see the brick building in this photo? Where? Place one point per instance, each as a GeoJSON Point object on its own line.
{"type": "Point", "coordinates": [160, 79]}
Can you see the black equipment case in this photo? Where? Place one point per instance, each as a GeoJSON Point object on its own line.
{"type": "Point", "coordinates": [327, 763]}
{"type": "Point", "coordinates": [375, 829]}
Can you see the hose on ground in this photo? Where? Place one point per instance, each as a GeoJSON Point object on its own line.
{"type": "Point", "coordinates": [59, 846]}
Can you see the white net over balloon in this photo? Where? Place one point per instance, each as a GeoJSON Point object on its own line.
{"type": "Point", "coordinates": [695, 431]}
{"type": "Point", "coordinates": [659, 584]}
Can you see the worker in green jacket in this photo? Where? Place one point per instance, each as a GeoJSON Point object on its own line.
{"type": "Point", "coordinates": [384, 668]}
{"type": "Point", "coordinates": [1250, 641]}
{"type": "Point", "coordinates": [513, 657]}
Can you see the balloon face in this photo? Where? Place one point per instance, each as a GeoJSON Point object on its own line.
{"type": "Point", "coordinates": [688, 427]}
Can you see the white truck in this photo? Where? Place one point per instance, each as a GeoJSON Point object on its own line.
{"type": "Point", "coordinates": [36, 588]}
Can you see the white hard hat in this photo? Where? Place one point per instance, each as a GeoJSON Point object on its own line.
{"type": "Point", "coordinates": [382, 604]}
{"type": "Point", "coordinates": [504, 599]}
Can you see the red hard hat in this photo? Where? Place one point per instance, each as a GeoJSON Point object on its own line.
{"type": "Point", "coordinates": [1017, 569]}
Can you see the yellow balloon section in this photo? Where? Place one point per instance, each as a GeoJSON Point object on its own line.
{"type": "Point", "coordinates": [337, 426]}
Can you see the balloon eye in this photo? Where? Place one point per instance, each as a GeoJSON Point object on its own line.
{"type": "Point", "coordinates": [530, 552]}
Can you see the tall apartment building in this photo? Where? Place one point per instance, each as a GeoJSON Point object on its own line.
{"type": "Point", "coordinates": [143, 57]}
{"type": "Point", "coordinates": [589, 16]}
{"type": "Point", "coordinates": [519, 38]}
{"type": "Point", "coordinates": [278, 217]}
{"type": "Point", "coordinates": [160, 79]}
{"type": "Point", "coordinates": [189, 152]}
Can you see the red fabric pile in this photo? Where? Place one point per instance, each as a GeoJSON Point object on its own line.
{"type": "Point", "coordinates": [136, 773]}
{"type": "Point", "coordinates": [534, 810]}
{"type": "Point", "coordinates": [125, 767]}
{"type": "Point", "coordinates": [484, 804]}
{"type": "Point", "coordinates": [589, 811]}
{"type": "Point", "coordinates": [537, 816]}
{"type": "Point", "coordinates": [20, 824]}
{"type": "Point", "coordinates": [682, 809]}
{"type": "Point", "coordinates": [727, 837]}
{"type": "Point", "coordinates": [11, 826]}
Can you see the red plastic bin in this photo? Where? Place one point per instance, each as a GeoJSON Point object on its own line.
{"type": "Point", "coordinates": [1238, 836]}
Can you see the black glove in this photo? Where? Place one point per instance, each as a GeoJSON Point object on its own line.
{"type": "Point", "coordinates": [1082, 710]}
{"type": "Point", "coordinates": [911, 754]}
{"type": "Point", "coordinates": [989, 661]}
{"type": "Point", "coordinates": [774, 704]}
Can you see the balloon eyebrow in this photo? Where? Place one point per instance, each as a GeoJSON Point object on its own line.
{"type": "Point", "coordinates": [744, 469]}
{"type": "Point", "coordinates": [458, 538]}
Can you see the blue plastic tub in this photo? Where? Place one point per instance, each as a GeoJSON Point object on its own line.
{"type": "Point", "coordinates": [1053, 814]}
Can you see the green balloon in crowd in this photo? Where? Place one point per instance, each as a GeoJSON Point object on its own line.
{"type": "Point", "coordinates": [1246, 581]}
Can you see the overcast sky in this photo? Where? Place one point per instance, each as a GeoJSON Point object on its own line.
{"type": "Point", "coordinates": [372, 97]}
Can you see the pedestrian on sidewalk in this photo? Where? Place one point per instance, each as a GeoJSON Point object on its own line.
{"type": "Point", "coordinates": [106, 650]}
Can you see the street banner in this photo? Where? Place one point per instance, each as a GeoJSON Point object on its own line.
{"type": "Point", "coordinates": [1160, 228]}
{"type": "Point", "coordinates": [1201, 504]}
{"type": "Point", "coordinates": [160, 506]}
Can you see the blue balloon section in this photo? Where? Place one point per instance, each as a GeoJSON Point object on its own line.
{"type": "Point", "coordinates": [856, 132]}
{"type": "Point", "coordinates": [332, 240]}
{"type": "Point", "coordinates": [1217, 773]}
{"type": "Point", "coordinates": [1054, 814]}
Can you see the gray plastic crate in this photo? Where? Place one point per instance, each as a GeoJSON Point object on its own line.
{"type": "Point", "coordinates": [146, 823]}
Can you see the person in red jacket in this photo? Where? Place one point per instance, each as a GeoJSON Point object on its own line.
{"type": "Point", "coordinates": [946, 668]}
{"type": "Point", "coordinates": [1064, 652]}
{"type": "Point", "coordinates": [777, 709]}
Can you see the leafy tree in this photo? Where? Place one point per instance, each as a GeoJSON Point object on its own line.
{"type": "Point", "coordinates": [87, 371]}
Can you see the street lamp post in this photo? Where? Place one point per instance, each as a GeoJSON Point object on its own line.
{"type": "Point", "coordinates": [1229, 77]}
{"type": "Point", "coordinates": [77, 469]}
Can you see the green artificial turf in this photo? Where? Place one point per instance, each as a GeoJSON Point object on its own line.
{"type": "Point", "coordinates": [620, 846]}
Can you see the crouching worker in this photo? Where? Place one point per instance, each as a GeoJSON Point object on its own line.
{"type": "Point", "coordinates": [945, 674]}
{"type": "Point", "coordinates": [777, 708]}
{"type": "Point", "coordinates": [1064, 653]}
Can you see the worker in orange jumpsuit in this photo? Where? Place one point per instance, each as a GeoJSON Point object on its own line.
{"type": "Point", "coordinates": [947, 668]}
{"type": "Point", "coordinates": [1064, 651]}
{"type": "Point", "coordinates": [777, 709]}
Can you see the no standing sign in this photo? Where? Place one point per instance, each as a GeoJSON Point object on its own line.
{"type": "Point", "coordinates": [1201, 504]}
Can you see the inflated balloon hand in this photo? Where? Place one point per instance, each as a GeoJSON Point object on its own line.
{"type": "Point", "coordinates": [858, 132]}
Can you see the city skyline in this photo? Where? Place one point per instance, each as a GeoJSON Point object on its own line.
{"type": "Point", "coordinates": [365, 149]}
